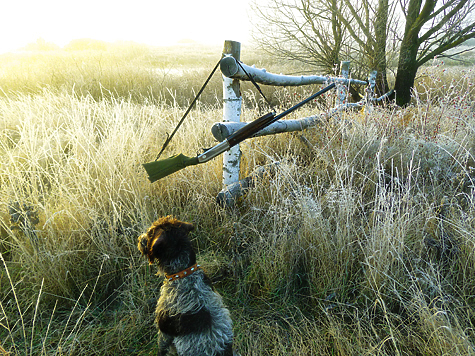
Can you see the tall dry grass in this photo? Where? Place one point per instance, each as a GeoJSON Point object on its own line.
{"type": "Point", "coordinates": [361, 243]}
{"type": "Point", "coordinates": [74, 195]}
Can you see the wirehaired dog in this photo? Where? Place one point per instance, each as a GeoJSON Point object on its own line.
{"type": "Point", "coordinates": [189, 313]}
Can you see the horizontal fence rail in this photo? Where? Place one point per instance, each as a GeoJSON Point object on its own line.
{"type": "Point", "coordinates": [222, 130]}
{"type": "Point", "coordinates": [231, 69]}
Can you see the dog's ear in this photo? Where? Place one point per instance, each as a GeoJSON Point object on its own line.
{"type": "Point", "coordinates": [187, 226]}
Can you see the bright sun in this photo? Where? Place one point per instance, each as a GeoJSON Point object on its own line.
{"type": "Point", "coordinates": [154, 22]}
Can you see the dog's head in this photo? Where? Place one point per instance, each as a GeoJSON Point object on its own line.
{"type": "Point", "coordinates": [166, 242]}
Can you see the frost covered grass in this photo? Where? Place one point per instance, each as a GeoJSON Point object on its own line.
{"type": "Point", "coordinates": [362, 242]}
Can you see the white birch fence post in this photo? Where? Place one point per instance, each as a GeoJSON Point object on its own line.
{"type": "Point", "coordinates": [342, 91]}
{"type": "Point", "coordinates": [232, 102]}
{"type": "Point", "coordinates": [370, 91]}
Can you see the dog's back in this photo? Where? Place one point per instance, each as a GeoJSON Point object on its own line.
{"type": "Point", "coordinates": [203, 325]}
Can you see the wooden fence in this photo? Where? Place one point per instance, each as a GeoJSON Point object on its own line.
{"type": "Point", "coordinates": [234, 72]}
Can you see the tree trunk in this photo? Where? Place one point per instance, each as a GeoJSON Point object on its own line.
{"type": "Point", "coordinates": [407, 66]}
{"type": "Point", "coordinates": [407, 69]}
{"type": "Point", "coordinates": [404, 83]}
{"type": "Point", "coordinates": [380, 35]}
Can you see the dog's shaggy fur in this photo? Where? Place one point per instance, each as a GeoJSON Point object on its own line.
{"type": "Point", "coordinates": [189, 313]}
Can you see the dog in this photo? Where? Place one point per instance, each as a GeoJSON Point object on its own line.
{"type": "Point", "coordinates": [189, 314]}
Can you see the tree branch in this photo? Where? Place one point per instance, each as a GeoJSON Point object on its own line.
{"type": "Point", "coordinates": [443, 21]}
{"type": "Point", "coordinates": [452, 43]}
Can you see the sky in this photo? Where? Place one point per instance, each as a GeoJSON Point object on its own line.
{"type": "Point", "coordinates": [153, 22]}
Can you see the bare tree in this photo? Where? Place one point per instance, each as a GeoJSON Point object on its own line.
{"type": "Point", "coordinates": [432, 29]}
{"type": "Point", "coordinates": [369, 22]}
{"type": "Point", "coordinates": [302, 31]}
{"type": "Point", "coordinates": [323, 32]}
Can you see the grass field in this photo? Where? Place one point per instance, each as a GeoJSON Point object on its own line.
{"type": "Point", "coordinates": [362, 242]}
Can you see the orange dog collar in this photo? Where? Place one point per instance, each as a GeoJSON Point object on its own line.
{"type": "Point", "coordinates": [183, 274]}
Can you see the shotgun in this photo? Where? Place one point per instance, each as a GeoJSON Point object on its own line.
{"type": "Point", "coordinates": [159, 169]}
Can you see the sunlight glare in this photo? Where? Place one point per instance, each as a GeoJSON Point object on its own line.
{"type": "Point", "coordinates": [153, 22]}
